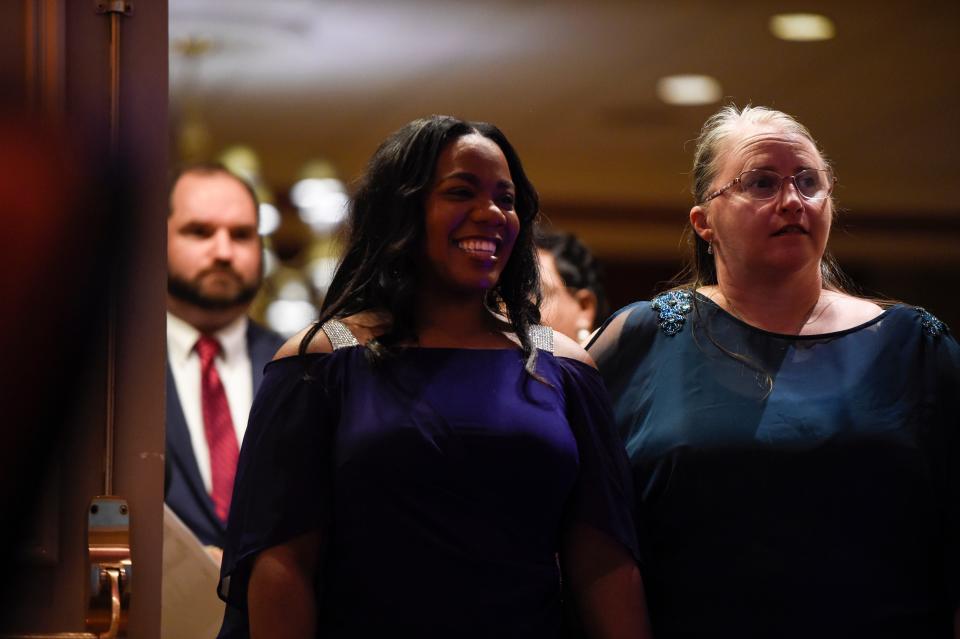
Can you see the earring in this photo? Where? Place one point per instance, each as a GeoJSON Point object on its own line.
{"type": "Point", "coordinates": [582, 334]}
{"type": "Point", "coordinates": [709, 248]}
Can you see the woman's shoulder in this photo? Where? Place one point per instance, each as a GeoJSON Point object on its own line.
{"type": "Point", "coordinates": [567, 348]}
{"type": "Point", "coordinates": [842, 311]}
{"type": "Point", "coordinates": [319, 343]}
{"type": "Point", "coordinates": [920, 319]}
{"type": "Point", "coordinates": [630, 333]}
{"type": "Point", "coordinates": [665, 313]}
{"type": "Point", "coordinates": [899, 321]}
{"type": "Point", "coordinates": [932, 325]}
{"type": "Point", "coordinates": [858, 311]}
{"type": "Point", "coordinates": [359, 328]}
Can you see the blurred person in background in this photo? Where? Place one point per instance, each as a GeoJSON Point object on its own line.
{"type": "Point", "coordinates": [795, 447]}
{"type": "Point", "coordinates": [216, 354]}
{"type": "Point", "coordinates": [570, 279]}
{"type": "Point", "coordinates": [427, 460]}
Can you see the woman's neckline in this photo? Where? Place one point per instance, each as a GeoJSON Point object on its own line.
{"type": "Point", "coordinates": [428, 349]}
{"type": "Point", "coordinates": [812, 336]}
{"type": "Point", "coordinates": [418, 349]}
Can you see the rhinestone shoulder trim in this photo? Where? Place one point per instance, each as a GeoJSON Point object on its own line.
{"type": "Point", "coordinates": [542, 337]}
{"type": "Point", "coordinates": [340, 336]}
{"type": "Point", "coordinates": [931, 325]}
{"type": "Point", "coordinates": [672, 306]}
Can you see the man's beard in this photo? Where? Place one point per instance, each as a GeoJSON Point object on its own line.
{"type": "Point", "coordinates": [191, 291]}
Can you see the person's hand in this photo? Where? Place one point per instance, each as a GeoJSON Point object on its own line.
{"type": "Point", "coordinates": [215, 553]}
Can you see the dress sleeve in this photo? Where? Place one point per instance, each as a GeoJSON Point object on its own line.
{"type": "Point", "coordinates": [603, 344]}
{"type": "Point", "coordinates": [620, 343]}
{"type": "Point", "coordinates": [602, 496]}
{"type": "Point", "coordinates": [283, 483]}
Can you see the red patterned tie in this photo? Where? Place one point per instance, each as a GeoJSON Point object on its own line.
{"type": "Point", "coordinates": [217, 426]}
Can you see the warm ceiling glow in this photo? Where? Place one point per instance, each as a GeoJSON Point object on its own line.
{"type": "Point", "coordinates": [688, 89]}
{"type": "Point", "coordinates": [269, 219]}
{"type": "Point", "coordinates": [289, 316]}
{"type": "Point", "coordinates": [322, 202]}
{"type": "Point", "coordinates": [802, 27]}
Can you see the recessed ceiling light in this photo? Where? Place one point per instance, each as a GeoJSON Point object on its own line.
{"type": "Point", "coordinates": [802, 27]}
{"type": "Point", "coordinates": [688, 89]}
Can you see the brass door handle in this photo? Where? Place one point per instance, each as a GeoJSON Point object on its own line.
{"type": "Point", "coordinates": [111, 571]}
{"type": "Point", "coordinates": [113, 576]}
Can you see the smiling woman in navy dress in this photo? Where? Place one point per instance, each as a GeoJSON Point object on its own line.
{"type": "Point", "coordinates": [794, 446]}
{"type": "Point", "coordinates": [426, 460]}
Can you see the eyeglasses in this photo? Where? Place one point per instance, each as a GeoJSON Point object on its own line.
{"type": "Point", "coordinates": [761, 184]}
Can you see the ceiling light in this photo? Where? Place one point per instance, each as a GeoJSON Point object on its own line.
{"type": "Point", "coordinates": [322, 271]}
{"type": "Point", "coordinates": [802, 27]}
{"type": "Point", "coordinates": [293, 290]}
{"type": "Point", "coordinates": [689, 89]}
{"type": "Point", "coordinates": [269, 218]}
{"type": "Point", "coordinates": [289, 316]}
{"type": "Point", "coordinates": [322, 202]}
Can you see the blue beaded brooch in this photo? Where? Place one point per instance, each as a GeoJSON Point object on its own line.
{"type": "Point", "coordinates": [930, 323]}
{"type": "Point", "coordinates": [671, 307]}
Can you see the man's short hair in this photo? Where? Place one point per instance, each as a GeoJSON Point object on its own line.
{"type": "Point", "coordinates": [211, 168]}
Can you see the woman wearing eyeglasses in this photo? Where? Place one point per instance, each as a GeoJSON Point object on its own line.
{"type": "Point", "coordinates": [794, 446]}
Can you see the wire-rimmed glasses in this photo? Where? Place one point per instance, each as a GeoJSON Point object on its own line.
{"type": "Point", "coordinates": [763, 184]}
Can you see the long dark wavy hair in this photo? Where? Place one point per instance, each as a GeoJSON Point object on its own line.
{"type": "Point", "coordinates": [386, 233]}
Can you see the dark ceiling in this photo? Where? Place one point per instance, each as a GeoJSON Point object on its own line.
{"type": "Point", "coordinates": [573, 85]}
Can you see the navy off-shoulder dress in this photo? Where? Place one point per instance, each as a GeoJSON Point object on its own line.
{"type": "Point", "coordinates": [442, 481]}
{"type": "Point", "coordinates": [826, 505]}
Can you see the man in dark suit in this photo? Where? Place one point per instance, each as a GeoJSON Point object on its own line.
{"type": "Point", "coordinates": [215, 354]}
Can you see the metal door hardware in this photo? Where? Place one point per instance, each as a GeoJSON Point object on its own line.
{"type": "Point", "coordinates": [111, 571]}
{"type": "Point", "coordinates": [124, 7]}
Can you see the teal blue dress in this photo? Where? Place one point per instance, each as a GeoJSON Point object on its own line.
{"type": "Point", "coordinates": [789, 486]}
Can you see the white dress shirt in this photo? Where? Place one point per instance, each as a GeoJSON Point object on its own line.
{"type": "Point", "coordinates": [236, 373]}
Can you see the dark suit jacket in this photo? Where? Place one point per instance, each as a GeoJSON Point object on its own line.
{"type": "Point", "coordinates": [184, 490]}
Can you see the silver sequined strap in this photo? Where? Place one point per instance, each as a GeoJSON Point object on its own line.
{"type": "Point", "coordinates": [340, 336]}
{"type": "Point", "coordinates": [542, 337]}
